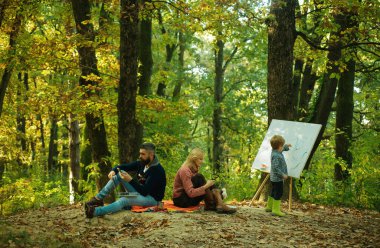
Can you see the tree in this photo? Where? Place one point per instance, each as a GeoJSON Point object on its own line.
{"type": "Point", "coordinates": [170, 48]}
{"type": "Point", "coordinates": [88, 78]}
{"type": "Point", "coordinates": [21, 120]}
{"type": "Point", "coordinates": [345, 103]}
{"type": "Point", "coordinates": [52, 165]}
{"type": "Point", "coordinates": [330, 79]}
{"type": "Point", "coordinates": [6, 77]}
{"type": "Point", "coordinates": [145, 51]}
{"type": "Point", "coordinates": [281, 91]}
{"type": "Point", "coordinates": [126, 105]}
{"type": "Point", "coordinates": [181, 61]}
{"type": "Point", "coordinates": [146, 66]}
{"type": "Point", "coordinates": [12, 48]}
{"type": "Point", "coordinates": [281, 38]}
{"type": "Point", "coordinates": [220, 68]}
{"type": "Point", "coordinates": [3, 6]}
{"type": "Point", "coordinates": [74, 151]}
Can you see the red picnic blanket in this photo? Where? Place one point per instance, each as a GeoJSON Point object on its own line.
{"type": "Point", "coordinates": [167, 206]}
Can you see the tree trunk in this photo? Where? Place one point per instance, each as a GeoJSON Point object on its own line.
{"type": "Point", "coordinates": [42, 130]}
{"type": "Point", "coordinates": [145, 69]}
{"type": "Point", "coordinates": [126, 104]}
{"type": "Point", "coordinates": [281, 37]}
{"type": "Point", "coordinates": [9, 66]}
{"type": "Point", "coordinates": [281, 91]}
{"type": "Point", "coordinates": [21, 120]}
{"type": "Point", "coordinates": [344, 117]}
{"type": "Point", "coordinates": [307, 86]}
{"type": "Point", "coordinates": [2, 169]}
{"type": "Point", "coordinates": [170, 48]}
{"type": "Point", "coordinates": [65, 150]}
{"type": "Point", "coordinates": [74, 140]}
{"type": "Point", "coordinates": [88, 65]}
{"type": "Point", "coordinates": [217, 150]}
{"type": "Point", "coordinates": [330, 80]}
{"type": "Point", "coordinates": [180, 73]}
{"type": "Point", "coordinates": [33, 146]}
{"type": "Point", "coordinates": [86, 154]}
{"type": "Point", "coordinates": [209, 145]}
{"type": "Point", "coordinates": [298, 67]}
{"type": "Point", "coordinates": [53, 146]}
{"type": "Point", "coordinates": [145, 55]}
{"type": "Point", "coordinates": [161, 88]}
{"type": "Point", "coordinates": [345, 103]}
{"type": "Point", "coordinates": [3, 5]}
{"type": "Point", "coordinates": [104, 17]}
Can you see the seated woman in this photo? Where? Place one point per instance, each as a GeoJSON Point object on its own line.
{"type": "Point", "coordinates": [190, 187]}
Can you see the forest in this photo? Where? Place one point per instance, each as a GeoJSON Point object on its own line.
{"type": "Point", "coordinates": [84, 82]}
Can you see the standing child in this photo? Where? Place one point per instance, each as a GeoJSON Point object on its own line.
{"type": "Point", "coordinates": [278, 173]}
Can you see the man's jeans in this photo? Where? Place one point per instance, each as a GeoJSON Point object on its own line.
{"type": "Point", "coordinates": [118, 205]}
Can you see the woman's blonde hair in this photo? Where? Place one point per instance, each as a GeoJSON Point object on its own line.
{"type": "Point", "coordinates": [195, 154]}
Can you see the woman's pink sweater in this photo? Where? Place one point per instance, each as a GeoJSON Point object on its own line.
{"type": "Point", "coordinates": [182, 183]}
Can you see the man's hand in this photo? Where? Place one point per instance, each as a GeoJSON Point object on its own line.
{"type": "Point", "coordinates": [111, 174]}
{"type": "Point", "coordinates": [125, 176]}
{"type": "Point", "coordinates": [208, 184]}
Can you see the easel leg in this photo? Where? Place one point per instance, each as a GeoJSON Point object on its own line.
{"type": "Point", "coordinates": [260, 188]}
{"type": "Point", "coordinates": [290, 193]}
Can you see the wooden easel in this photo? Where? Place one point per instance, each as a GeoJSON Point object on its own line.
{"type": "Point", "coordinates": [260, 188]}
{"type": "Point", "coordinates": [263, 184]}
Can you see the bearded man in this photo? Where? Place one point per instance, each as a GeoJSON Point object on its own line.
{"type": "Point", "coordinates": [148, 189]}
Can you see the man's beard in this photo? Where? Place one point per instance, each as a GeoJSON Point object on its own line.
{"type": "Point", "coordinates": [145, 162]}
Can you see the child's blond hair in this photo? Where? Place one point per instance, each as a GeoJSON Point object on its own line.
{"type": "Point", "coordinates": [276, 141]}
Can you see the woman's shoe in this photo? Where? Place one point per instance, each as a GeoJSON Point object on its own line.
{"type": "Point", "coordinates": [225, 210]}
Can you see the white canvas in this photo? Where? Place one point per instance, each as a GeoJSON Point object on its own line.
{"type": "Point", "coordinates": [300, 135]}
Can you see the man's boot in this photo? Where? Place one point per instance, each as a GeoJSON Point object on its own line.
{"type": "Point", "coordinates": [89, 207]}
{"type": "Point", "coordinates": [95, 202]}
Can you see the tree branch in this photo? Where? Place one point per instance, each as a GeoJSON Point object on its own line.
{"type": "Point", "coordinates": [318, 47]}
{"type": "Point", "coordinates": [368, 51]}
{"type": "Point", "coordinates": [171, 4]}
{"type": "Point", "coordinates": [230, 58]}
{"type": "Point", "coordinates": [233, 87]}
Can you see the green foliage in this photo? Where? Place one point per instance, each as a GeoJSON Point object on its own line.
{"type": "Point", "coordinates": [33, 190]}
{"type": "Point", "coordinates": [359, 190]}
{"type": "Point", "coordinates": [241, 183]}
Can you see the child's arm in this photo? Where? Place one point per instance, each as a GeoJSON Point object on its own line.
{"type": "Point", "coordinates": [284, 167]}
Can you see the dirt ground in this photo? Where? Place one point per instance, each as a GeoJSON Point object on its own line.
{"type": "Point", "coordinates": [307, 225]}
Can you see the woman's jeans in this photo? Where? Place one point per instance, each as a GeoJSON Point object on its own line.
{"type": "Point", "coordinates": [118, 205]}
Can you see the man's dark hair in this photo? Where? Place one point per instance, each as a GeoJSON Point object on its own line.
{"type": "Point", "coordinates": [148, 146]}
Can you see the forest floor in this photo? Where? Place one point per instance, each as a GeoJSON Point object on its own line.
{"type": "Point", "coordinates": [307, 225]}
